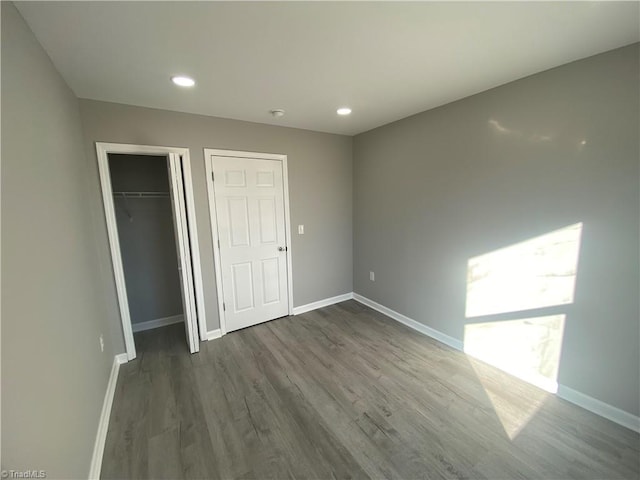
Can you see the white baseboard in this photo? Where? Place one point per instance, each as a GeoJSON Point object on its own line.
{"type": "Point", "coordinates": [322, 303]}
{"type": "Point", "coordinates": [103, 424]}
{"type": "Point", "coordinates": [157, 323]}
{"type": "Point", "coordinates": [598, 407]}
{"type": "Point", "coordinates": [121, 358]}
{"type": "Point", "coordinates": [409, 322]}
{"type": "Point", "coordinates": [213, 334]}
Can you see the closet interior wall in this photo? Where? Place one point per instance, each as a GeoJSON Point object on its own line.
{"type": "Point", "coordinates": [140, 184]}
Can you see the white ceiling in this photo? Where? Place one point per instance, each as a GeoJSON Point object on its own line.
{"type": "Point", "coordinates": [386, 60]}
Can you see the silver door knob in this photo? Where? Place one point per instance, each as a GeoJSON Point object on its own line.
{"type": "Point", "coordinates": [282, 249]}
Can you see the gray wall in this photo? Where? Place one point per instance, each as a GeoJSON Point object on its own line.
{"type": "Point", "coordinates": [435, 189]}
{"type": "Point", "coordinates": [429, 192]}
{"type": "Point", "coordinates": [320, 190]}
{"type": "Point", "coordinates": [147, 237]}
{"type": "Point", "coordinates": [54, 376]}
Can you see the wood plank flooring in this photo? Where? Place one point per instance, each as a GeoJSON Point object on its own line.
{"type": "Point", "coordinates": [344, 392]}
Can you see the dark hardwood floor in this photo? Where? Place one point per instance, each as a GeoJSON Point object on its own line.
{"type": "Point", "coordinates": [344, 392]}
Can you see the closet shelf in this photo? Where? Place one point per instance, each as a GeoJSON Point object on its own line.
{"type": "Point", "coordinates": [141, 194]}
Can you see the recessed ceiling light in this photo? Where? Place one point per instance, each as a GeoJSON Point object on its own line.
{"type": "Point", "coordinates": [343, 111]}
{"type": "Point", "coordinates": [183, 81]}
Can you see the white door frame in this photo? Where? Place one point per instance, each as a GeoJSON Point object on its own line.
{"type": "Point", "coordinates": [102, 150]}
{"type": "Point", "coordinates": [208, 153]}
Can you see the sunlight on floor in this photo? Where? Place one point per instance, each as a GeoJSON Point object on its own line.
{"type": "Point", "coordinates": [528, 349]}
{"type": "Point", "coordinates": [535, 274]}
{"type": "Point", "coordinates": [514, 416]}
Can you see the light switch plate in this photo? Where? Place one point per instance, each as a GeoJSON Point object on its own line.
{"type": "Point", "coordinates": [300, 229]}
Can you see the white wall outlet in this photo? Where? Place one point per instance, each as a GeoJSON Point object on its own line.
{"type": "Point", "coordinates": [300, 229]}
{"type": "Point", "coordinates": [372, 276]}
{"type": "Point", "coordinates": [101, 343]}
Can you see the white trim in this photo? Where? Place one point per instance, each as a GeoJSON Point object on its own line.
{"type": "Point", "coordinates": [208, 153]}
{"type": "Point", "coordinates": [121, 358]}
{"type": "Point", "coordinates": [213, 334]}
{"type": "Point", "coordinates": [598, 407]}
{"type": "Point", "coordinates": [103, 424]}
{"type": "Point", "coordinates": [322, 303]}
{"type": "Point", "coordinates": [195, 246]}
{"type": "Point", "coordinates": [114, 247]}
{"type": "Point", "coordinates": [287, 232]}
{"type": "Point", "coordinates": [102, 150]}
{"type": "Point", "coordinates": [181, 231]}
{"type": "Point", "coordinates": [594, 405]}
{"type": "Point", "coordinates": [241, 154]}
{"type": "Point", "coordinates": [214, 238]}
{"type": "Point", "coordinates": [409, 322]}
{"type": "Point", "coordinates": [157, 323]}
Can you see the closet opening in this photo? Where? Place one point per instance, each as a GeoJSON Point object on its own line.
{"type": "Point", "coordinates": [148, 204]}
{"type": "Point", "coordinates": [147, 238]}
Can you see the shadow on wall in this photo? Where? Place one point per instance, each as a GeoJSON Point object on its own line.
{"type": "Point", "coordinates": [517, 297]}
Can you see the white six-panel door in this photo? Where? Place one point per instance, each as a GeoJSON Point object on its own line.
{"type": "Point", "coordinates": [251, 230]}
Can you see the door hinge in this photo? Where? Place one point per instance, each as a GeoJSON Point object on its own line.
{"type": "Point", "coordinates": [213, 177]}
{"type": "Point", "coordinates": [218, 243]}
{"type": "Point", "coordinates": [224, 307]}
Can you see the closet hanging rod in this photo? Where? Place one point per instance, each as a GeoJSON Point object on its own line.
{"type": "Point", "coordinates": [141, 194]}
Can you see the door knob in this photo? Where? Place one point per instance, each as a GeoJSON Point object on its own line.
{"type": "Point", "coordinates": [282, 249]}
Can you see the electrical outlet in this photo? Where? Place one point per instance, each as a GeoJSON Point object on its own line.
{"type": "Point", "coordinates": [372, 276]}
{"type": "Point", "coordinates": [101, 343]}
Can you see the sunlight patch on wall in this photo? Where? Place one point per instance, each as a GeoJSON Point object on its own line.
{"type": "Point", "coordinates": [528, 349]}
{"type": "Point", "coordinates": [537, 273]}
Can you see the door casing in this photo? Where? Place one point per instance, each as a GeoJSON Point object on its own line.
{"type": "Point", "coordinates": [210, 152]}
{"type": "Point", "coordinates": [102, 150]}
